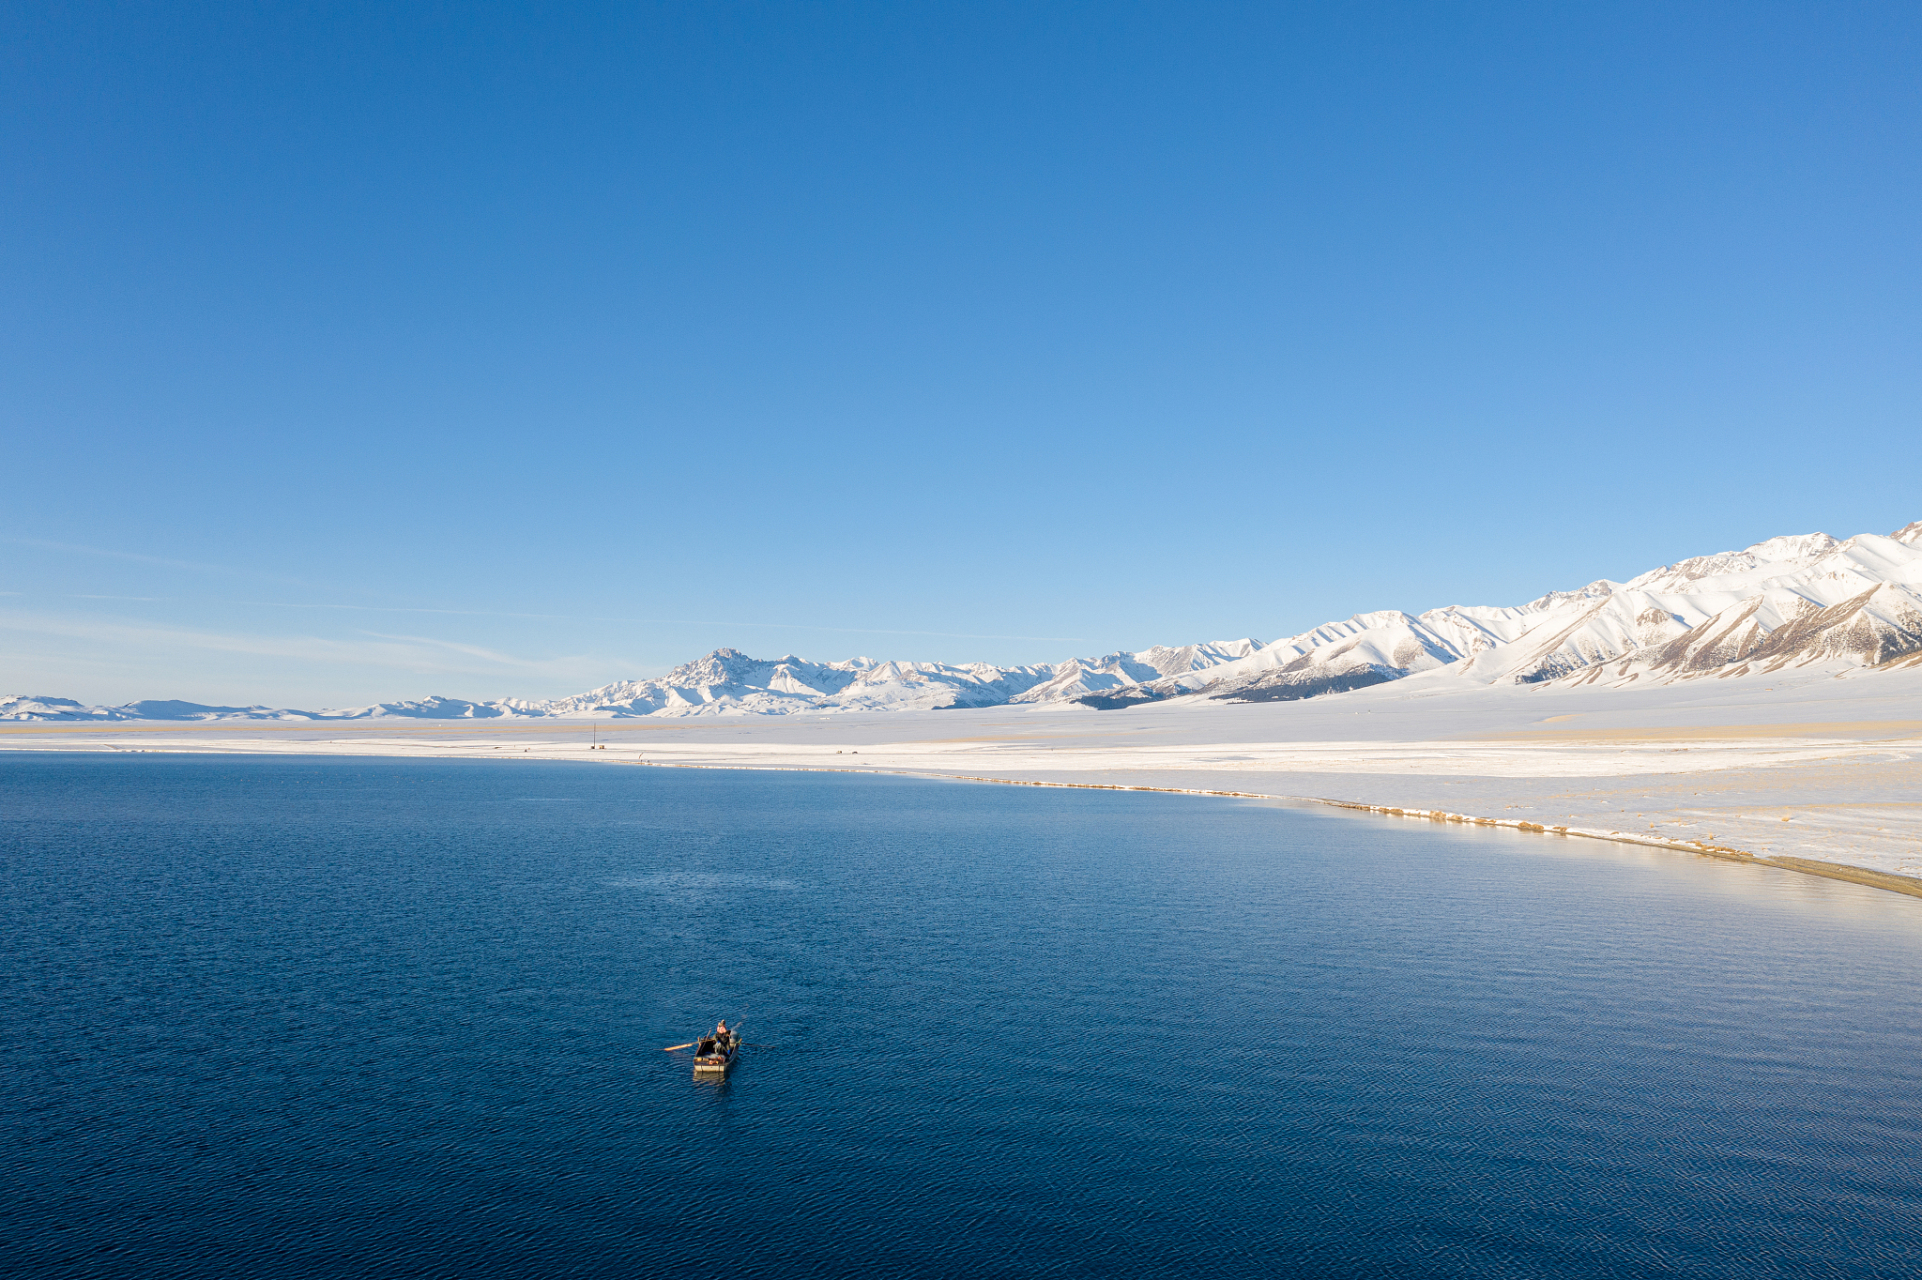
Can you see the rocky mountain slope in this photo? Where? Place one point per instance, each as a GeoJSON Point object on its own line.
{"type": "Point", "coordinates": [1787, 602]}
{"type": "Point", "coordinates": [1808, 601]}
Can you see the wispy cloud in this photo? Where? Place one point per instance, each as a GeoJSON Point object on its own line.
{"type": "Point", "coordinates": [416, 654]}
{"type": "Point", "coordinates": [672, 622]}
{"type": "Point", "coordinates": [135, 557]}
{"type": "Point", "coordinates": [471, 650]}
{"type": "Point", "coordinates": [194, 566]}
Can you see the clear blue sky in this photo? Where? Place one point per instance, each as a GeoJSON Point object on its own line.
{"type": "Point", "coordinates": [359, 352]}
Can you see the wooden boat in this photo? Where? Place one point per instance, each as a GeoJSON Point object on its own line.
{"type": "Point", "coordinates": [715, 1055]}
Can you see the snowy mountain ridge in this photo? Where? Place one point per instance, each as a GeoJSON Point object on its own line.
{"type": "Point", "coordinates": [1800, 601]}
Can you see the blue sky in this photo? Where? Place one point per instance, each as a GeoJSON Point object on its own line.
{"type": "Point", "coordinates": [360, 352]}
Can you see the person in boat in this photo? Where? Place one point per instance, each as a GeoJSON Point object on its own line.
{"type": "Point", "coordinates": [721, 1034]}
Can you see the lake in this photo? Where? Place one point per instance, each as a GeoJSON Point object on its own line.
{"type": "Point", "coordinates": [273, 1016]}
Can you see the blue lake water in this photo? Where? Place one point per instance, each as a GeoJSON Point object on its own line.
{"type": "Point", "coordinates": [365, 1017]}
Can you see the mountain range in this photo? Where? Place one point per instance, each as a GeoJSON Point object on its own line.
{"type": "Point", "coordinates": [1805, 601]}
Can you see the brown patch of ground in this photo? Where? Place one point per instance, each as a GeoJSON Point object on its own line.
{"type": "Point", "coordinates": [1712, 733]}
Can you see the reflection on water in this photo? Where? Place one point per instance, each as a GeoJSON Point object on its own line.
{"type": "Point", "coordinates": [282, 1016]}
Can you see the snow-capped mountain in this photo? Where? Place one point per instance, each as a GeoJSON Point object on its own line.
{"type": "Point", "coordinates": [1081, 679]}
{"type": "Point", "coordinates": [1786, 602]}
{"type": "Point", "coordinates": [728, 681]}
{"type": "Point", "coordinates": [1807, 601]}
{"type": "Point", "coordinates": [25, 707]}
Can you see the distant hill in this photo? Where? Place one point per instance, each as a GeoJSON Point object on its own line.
{"type": "Point", "coordinates": [1807, 601]}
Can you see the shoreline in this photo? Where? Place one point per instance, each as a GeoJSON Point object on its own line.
{"type": "Point", "coordinates": [1822, 777]}
{"type": "Point", "coordinates": [1892, 882]}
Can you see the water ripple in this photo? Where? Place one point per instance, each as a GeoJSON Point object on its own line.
{"type": "Point", "coordinates": [269, 1017]}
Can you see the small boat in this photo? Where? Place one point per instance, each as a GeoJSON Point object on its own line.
{"type": "Point", "coordinates": [715, 1055]}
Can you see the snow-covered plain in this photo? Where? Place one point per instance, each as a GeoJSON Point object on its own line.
{"type": "Point", "coordinates": [1806, 765]}
{"type": "Point", "coordinates": [1758, 705]}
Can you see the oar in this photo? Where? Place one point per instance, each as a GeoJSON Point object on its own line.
{"type": "Point", "coordinates": [691, 1043]}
